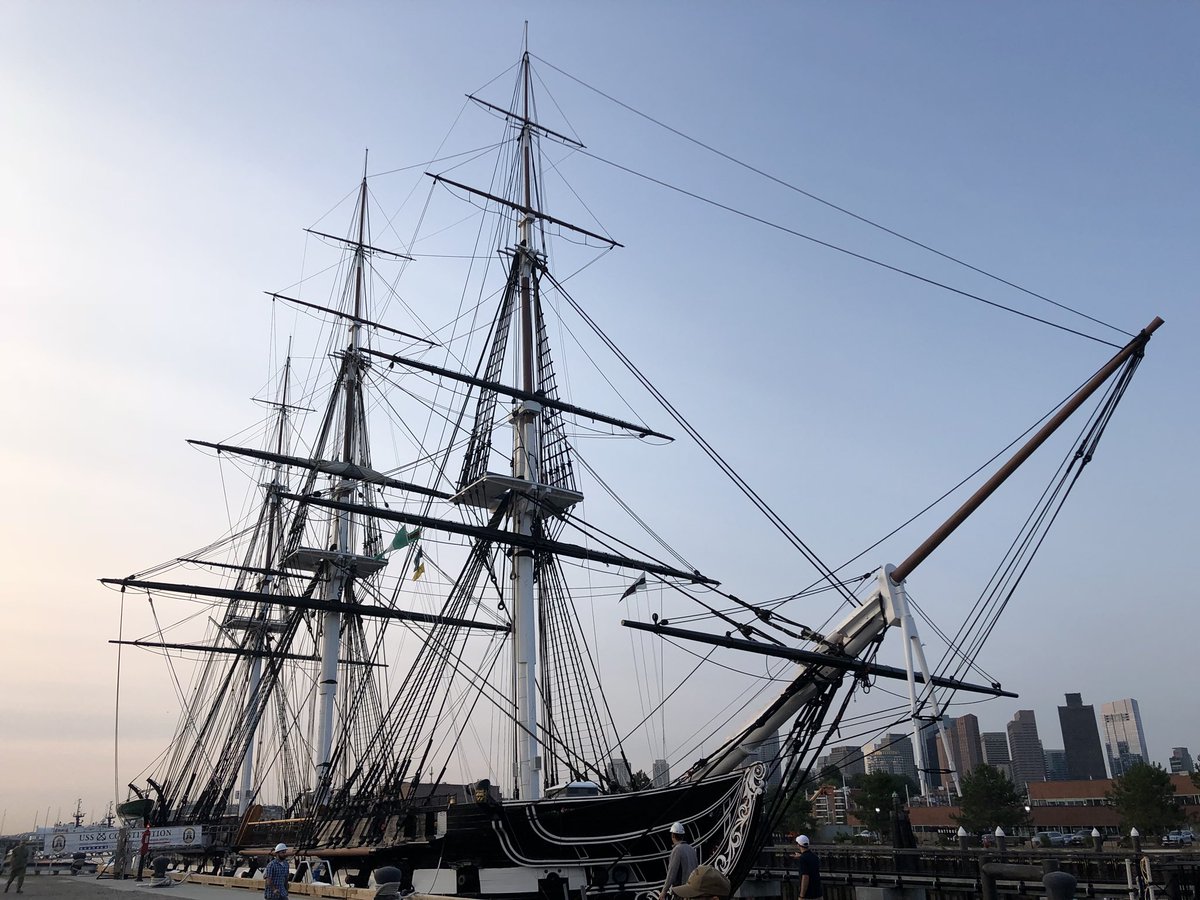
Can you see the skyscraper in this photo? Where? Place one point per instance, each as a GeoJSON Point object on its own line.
{"type": "Point", "coordinates": [849, 759]}
{"type": "Point", "coordinates": [930, 742]}
{"type": "Point", "coordinates": [1056, 765]}
{"type": "Point", "coordinates": [1081, 739]}
{"type": "Point", "coordinates": [995, 752]}
{"type": "Point", "coordinates": [966, 750]}
{"type": "Point", "coordinates": [892, 753]}
{"type": "Point", "coordinates": [767, 753]}
{"type": "Point", "coordinates": [1124, 739]}
{"type": "Point", "coordinates": [1028, 760]}
{"type": "Point", "coordinates": [662, 773]}
{"type": "Point", "coordinates": [1181, 761]}
{"type": "Point", "coordinates": [618, 772]}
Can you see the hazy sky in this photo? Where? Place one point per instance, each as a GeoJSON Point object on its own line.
{"type": "Point", "coordinates": [159, 159]}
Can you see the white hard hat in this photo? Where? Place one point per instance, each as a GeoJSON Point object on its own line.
{"type": "Point", "coordinates": [281, 848]}
{"type": "Point", "coordinates": [677, 828]}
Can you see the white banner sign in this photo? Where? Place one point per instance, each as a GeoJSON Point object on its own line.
{"type": "Point", "coordinates": [64, 842]}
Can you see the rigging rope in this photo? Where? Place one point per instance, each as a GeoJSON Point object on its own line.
{"type": "Point", "coordinates": [740, 483]}
{"type": "Point", "coordinates": [830, 204]}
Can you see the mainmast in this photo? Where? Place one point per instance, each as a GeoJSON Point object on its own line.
{"type": "Point", "coordinates": [342, 523]}
{"type": "Point", "coordinates": [526, 453]}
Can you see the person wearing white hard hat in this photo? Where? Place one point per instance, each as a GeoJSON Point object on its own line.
{"type": "Point", "coordinates": [810, 870]}
{"type": "Point", "coordinates": [683, 860]}
{"type": "Point", "coordinates": [275, 875]}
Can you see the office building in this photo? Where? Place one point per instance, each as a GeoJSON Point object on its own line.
{"type": "Point", "coordinates": [892, 753]}
{"type": "Point", "coordinates": [1181, 761]}
{"type": "Point", "coordinates": [1025, 749]}
{"type": "Point", "coordinates": [768, 754]}
{"type": "Point", "coordinates": [995, 752]}
{"type": "Point", "coordinates": [830, 805]}
{"type": "Point", "coordinates": [848, 759]}
{"type": "Point", "coordinates": [1081, 739]}
{"type": "Point", "coordinates": [934, 776]}
{"type": "Point", "coordinates": [1056, 765]}
{"type": "Point", "coordinates": [966, 750]}
{"type": "Point", "coordinates": [619, 774]}
{"type": "Point", "coordinates": [662, 773]}
{"type": "Point", "coordinates": [1124, 739]}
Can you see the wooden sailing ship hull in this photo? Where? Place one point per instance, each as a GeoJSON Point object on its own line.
{"type": "Point", "coordinates": [608, 845]}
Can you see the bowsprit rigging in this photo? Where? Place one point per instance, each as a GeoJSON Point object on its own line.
{"type": "Point", "coordinates": [397, 669]}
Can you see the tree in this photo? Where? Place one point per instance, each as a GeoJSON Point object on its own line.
{"type": "Point", "coordinates": [877, 791]}
{"type": "Point", "coordinates": [989, 799]}
{"type": "Point", "coordinates": [831, 775]}
{"type": "Point", "coordinates": [639, 781]}
{"type": "Point", "coordinates": [1145, 799]}
{"type": "Point", "coordinates": [797, 813]}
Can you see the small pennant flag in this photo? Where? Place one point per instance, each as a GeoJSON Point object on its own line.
{"type": "Point", "coordinates": [418, 565]}
{"type": "Point", "coordinates": [635, 587]}
{"type": "Point", "coordinates": [401, 540]}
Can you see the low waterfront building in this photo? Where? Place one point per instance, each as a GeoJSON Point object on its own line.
{"type": "Point", "coordinates": [1065, 806]}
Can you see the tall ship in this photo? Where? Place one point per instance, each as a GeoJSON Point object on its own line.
{"type": "Point", "coordinates": [400, 662]}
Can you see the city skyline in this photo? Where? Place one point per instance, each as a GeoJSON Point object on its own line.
{"type": "Point", "coordinates": [967, 741]}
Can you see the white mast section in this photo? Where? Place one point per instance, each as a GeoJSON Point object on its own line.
{"type": "Point", "coordinates": [247, 782]}
{"type": "Point", "coordinates": [919, 697]}
{"type": "Point", "coordinates": [526, 454]}
{"type": "Point", "coordinates": [342, 525]}
{"type": "Point", "coordinates": [246, 789]}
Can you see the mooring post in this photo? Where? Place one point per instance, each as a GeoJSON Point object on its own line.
{"type": "Point", "coordinates": [962, 838]}
{"type": "Point", "coordinates": [1059, 885]}
{"type": "Point", "coordinates": [1097, 840]}
{"type": "Point", "coordinates": [1001, 840]}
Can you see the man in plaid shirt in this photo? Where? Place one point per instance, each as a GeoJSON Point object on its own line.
{"type": "Point", "coordinates": [276, 875]}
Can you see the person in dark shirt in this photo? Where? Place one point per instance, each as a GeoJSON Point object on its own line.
{"type": "Point", "coordinates": [810, 870]}
{"type": "Point", "coordinates": [17, 861]}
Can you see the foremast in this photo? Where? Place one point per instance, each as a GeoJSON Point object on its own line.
{"type": "Point", "coordinates": [266, 619]}
{"type": "Point", "coordinates": [342, 523]}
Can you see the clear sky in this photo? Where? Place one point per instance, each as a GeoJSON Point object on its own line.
{"type": "Point", "coordinates": [159, 159]}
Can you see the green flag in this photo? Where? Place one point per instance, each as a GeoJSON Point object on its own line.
{"type": "Point", "coordinates": [400, 540]}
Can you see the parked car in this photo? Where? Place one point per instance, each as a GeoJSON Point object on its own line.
{"type": "Point", "coordinates": [1179, 838]}
{"type": "Point", "coordinates": [1049, 839]}
{"type": "Point", "coordinates": [1081, 838]}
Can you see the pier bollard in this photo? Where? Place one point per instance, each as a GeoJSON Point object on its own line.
{"type": "Point", "coordinates": [1059, 885]}
{"type": "Point", "coordinates": [1135, 838]}
{"type": "Point", "coordinates": [1001, 840]}
{"type": "Point", "coordinates": [1097, 840]}
{"type": "Point", "coordinates": [387, 882]}
{"type": "Point", "coordinates": [962, 838]}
